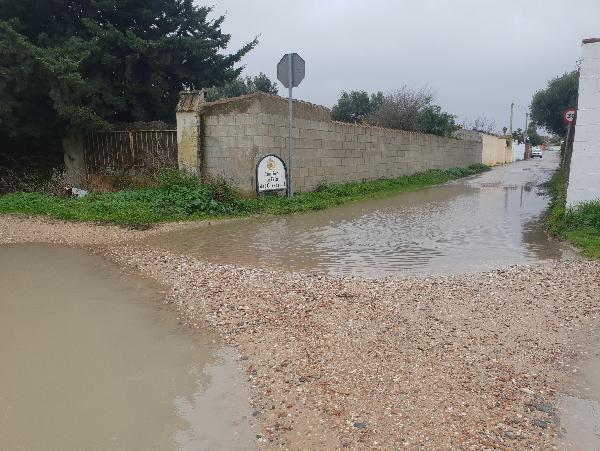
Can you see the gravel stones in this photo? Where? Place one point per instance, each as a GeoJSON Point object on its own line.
{"type": "Point", "coordinates": [465, 362]}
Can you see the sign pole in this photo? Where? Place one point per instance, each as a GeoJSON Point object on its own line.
{"type": "Point", "coordinates": [566, 149]}
{"type": "Point", "coordinates": [526, 130]}
{"type": "Point", "coordinates": [290, 72]}
{"type": "Point", "coordinates": [569, 117]}
{"type": "Point", "coordinates": [290, 122]}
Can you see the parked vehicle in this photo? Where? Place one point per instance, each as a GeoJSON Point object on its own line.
{"type": "Point", "coordinates": [536, 152]}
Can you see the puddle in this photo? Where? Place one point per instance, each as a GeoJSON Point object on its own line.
{"type": "Point", "coordinates": [580, 422]}
{"type": "Point", "coordinates": [492, 220]}
{"type": "Point", "coordinates": [90, 359]}
{"type": "Point", "coordinates": [579, 411]}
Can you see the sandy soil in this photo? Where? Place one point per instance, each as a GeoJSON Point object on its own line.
{"type": "Point", "coordinates": [36, 229]}
{"type": "Point", "coordinates": [469, 362]}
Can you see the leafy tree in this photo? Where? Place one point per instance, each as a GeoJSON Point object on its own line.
{"type": "Point", "coordinates": [412, 110]}
{"type": "Point", "coordinates": [533, 137]}
{"type": "Point", "coordinates": [355, 106]}
{"type": "Point", "coordinates": [436, 122]}
{"type": "Point", "coordinates": [481, 124]}
{"type": "Point", "coordinates": [81, 65]}
{"type": "Point", "coordinates": [242, 86]}
{"type": "Point", "coordinates": [263, 83]}
{"type": "Point", "coordinates": [400, 109]}
{"type": "Point", "coordinates": [518, 135]}
{"type": "Point", "coordinates": [548, 104]}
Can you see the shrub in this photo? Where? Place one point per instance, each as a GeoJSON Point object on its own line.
{"type": "Point", "coordinates": [174, 195]}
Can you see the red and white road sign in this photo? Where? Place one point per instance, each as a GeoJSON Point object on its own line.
{"type": "Point", "coordinates": [569, 115]}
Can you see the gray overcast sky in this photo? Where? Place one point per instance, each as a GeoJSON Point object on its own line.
{"type": "Point", "coordinates": [477, 56]}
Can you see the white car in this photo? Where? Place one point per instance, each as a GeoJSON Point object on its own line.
{"type": "Point", "coordinates": [536, 152]}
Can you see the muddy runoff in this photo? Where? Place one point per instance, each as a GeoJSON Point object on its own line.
{"type": "Point", "coordinates": [92, 359]}
{"type": "Point", "coordinates": [477, 224]}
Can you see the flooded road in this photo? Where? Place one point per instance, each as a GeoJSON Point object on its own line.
{"type": "Point", "coordinates": [91, 360]}
{"type": "Point", "coordinates": [480, 223]}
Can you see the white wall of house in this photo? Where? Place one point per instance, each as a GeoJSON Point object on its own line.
{"type": "Point", "coordinates": [518, 151]}
{"type": "Point", "coordinates": [584, 179]}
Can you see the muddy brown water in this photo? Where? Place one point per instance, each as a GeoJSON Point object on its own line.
{"type": "Point", "coordinates": [484, 222]}
{"type": "Point", "coordinates": [90, 359]}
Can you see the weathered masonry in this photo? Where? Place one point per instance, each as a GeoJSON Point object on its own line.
{"type": "Point", "coordinates": [227, 138]}
{"type": "Point", "coordinates": [494, 149]}
{"type": "Point", "coordinates": [584, 179]}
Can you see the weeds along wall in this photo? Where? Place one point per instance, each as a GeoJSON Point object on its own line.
{"type": "Point", "coordinates": [235, 133]}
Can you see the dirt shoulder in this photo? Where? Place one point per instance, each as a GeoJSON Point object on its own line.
{"type": "Point", "coordinates": [465, 362]}
{"type": "Point", "coordinates": [40, 229]}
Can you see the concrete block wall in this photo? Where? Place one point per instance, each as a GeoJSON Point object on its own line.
{"type": "Point", "coordinates": [584, 179]}
{"type": "Point", "coordinates": [495, 151]}
{"type": "Point", "coordinates": [236, 133]}
{"type": "Point", "coordinates": [494, 148]}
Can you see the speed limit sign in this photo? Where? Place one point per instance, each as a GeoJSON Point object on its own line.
{"type": "Point", "coordinates": [569, 116]}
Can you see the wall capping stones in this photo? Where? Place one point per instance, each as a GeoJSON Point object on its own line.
{"type": "Point", "coordinates": [235, 133]}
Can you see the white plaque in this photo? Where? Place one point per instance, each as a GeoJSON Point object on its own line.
{"type": "Point", "coordinates": [270, 174]}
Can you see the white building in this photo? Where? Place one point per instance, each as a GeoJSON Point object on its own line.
{"type": "Point", "coordinates": [584, 179]}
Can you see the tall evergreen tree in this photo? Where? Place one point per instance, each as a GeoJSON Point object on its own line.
{"type": "Point", "coordinates": [242, 86]}
{"type": "Point", "coordinates": [355, 106]}
{"type": "Point", "coordinates": [80, 65]}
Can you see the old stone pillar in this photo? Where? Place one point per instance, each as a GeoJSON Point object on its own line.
{"type": "Point", "coordinates": [188, 130]}
{"type": "Point", "coordinates": [74, 159]}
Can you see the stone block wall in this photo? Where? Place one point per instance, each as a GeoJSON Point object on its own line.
{"type": "Point", "coordinates": [495, 151]}
{"type": "Point", "coordinates": [236, 133]}
{"type": "Point", "coordinates": [494, 148]}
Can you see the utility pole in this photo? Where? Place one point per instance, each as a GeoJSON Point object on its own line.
{"type": "Point", "coordinates": [526, 137]}
{"type": "Point", "coordinates": [512, 110]}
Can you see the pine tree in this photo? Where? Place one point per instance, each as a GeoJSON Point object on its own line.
{"type": "Point", "coordinates": [81, 65]}
{"type": "Point", "coordinates": [242, 86]}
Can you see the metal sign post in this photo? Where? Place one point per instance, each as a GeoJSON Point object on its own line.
{"type": "Point", "coordinates": [566, 149]}
{"type": "Point", "coordinates": [290, 72]}
{"type": "Point", "coordinates": [290, 121]}
{"type": "Point", "coordinates": [569, 117]}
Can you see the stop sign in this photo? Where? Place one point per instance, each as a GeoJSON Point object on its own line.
{"type": "Point", "coordinates": [295, 68]}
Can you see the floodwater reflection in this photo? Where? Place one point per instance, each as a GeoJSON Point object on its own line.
{"type": "Point", "coordinates": [495, 219]}
{"type": "Point", "coordinates": [91, 360]}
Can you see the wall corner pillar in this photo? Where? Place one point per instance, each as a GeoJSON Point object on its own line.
{"type": "Point", "coordinates": [74, 158]}
{"type": "Point", "coordinates": [189, 139]}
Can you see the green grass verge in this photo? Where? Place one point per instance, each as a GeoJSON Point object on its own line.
{"type": "Point", "coordinates": [176, 197]}
{"type": "Point", "coordinates": [580, 225]}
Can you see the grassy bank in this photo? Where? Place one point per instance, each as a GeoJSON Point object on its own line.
{"type": "Point", "coordinates": [173, 196]}
{"type": "Point", "coordinates": [580, 225]}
